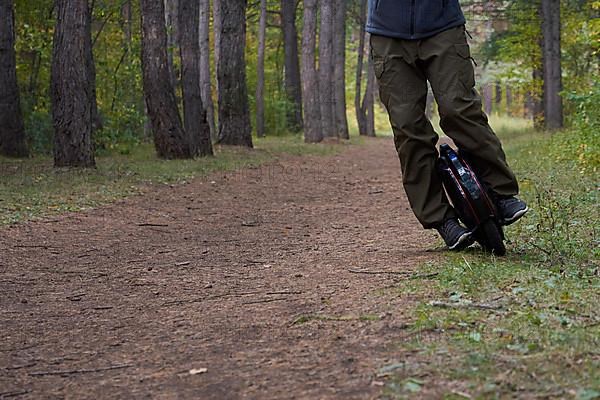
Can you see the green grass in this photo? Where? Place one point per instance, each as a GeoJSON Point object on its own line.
{"type": "Point", "coordinates": [32, 188]}
{"type": "Point", "coordinates": [542, 339]}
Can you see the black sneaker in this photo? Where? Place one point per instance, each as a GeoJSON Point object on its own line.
{"type": "Point", "coordinates": [455, 235]}
{"type": "Point", "coordinates": [511, 209]}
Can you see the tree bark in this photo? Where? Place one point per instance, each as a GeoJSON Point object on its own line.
{"type": "Point", "coordinates": [508, 95]}
{"type": "Point", "coordinates": [205, 77]}
{"type": "Point", "coordinates": [171, 19]}
{"type": "Point", "coordinates": [260, 71]}
{"type": "Point", "coordinates": [487, 98]}
{"type": "Point", "coordinates": [217, 36]}
{"type": "Point", "coordinates": [537, 99]}
{"type": "Point", "coordinates": [339, 71]}
{"type": "Point", "coordinates": [127, 22]}
{"type": "Point", "coordinates": [12, 130]}
{"type": "Point", "coordinates": [293, 86]}
{"type": "Point", "coordinates": [194, 114]}
{"type": "Point", "coordinates": [326, 93]}
{"type": "Point", "coordinates": [361, 117]}
{"type": "Point", "coordinates": [170, 138]}
{"type": "Point", "coordinates": [498, 95]}
{"type": "Point", "coordinates": [310, 82]}
{"type": "Point", "coordinates": [91, 65]}
{"type": "Point", "coordinates": [71, 86]}
{"type": "Point", "coordinates": [553, 107]}
{"type": "Point", "coordinates": [234, 114]}
{"type": "Point", "coordinates": [369, 99]}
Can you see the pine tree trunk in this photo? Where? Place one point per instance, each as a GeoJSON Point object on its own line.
{"type": "Point", "coordinates": [71, 86]}
{"type": "Point", "coordinates": [537, 100]}
{"type": "Point", "coordinates": [369, 99]}
{"type": "Point", "coordinates": [310, 81]}
{"type": "Point", "coordinates": [508, 100]}
{"type": "Point", "coordinates": [170, 138]}
{"type": "Point", "coordinates": [339, 50]}
{"type": "Point", "coordinates": [293, 86]}
{"type": "Point", "coordinates": [91, 65]}
{"type": "Point", "coordinates": [172, 33]}
{"type": "Point", "coordinates": [361, 117]}
{"type": "Point", "coordinates": [234, 114]}
{"type": "Point", "coordinates": [126, 17]}
{"type": "Point", "coordinates": [217, 51]}
{"type": "Point", "coordinates": [553, 107]}
{"type": "Point", "coordinates": [205, 77]}
{"type": "Point", "coordinates": [194, 114]}
{"type": "Point", "coordinates": [326, 93]}
{"type": "Point", "coordinates": [487, 98]}
{"type": "Point", "coordinates": [498, 96]}
{"type": "Point", "coordinates": [12, 131]}
{"type": "Point", "coordinates": [260, 71]}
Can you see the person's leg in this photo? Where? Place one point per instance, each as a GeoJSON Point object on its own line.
{"type": "Point", "coordinates": [403, 91]}
{"type": "Point", "coordinates": [449, 68]}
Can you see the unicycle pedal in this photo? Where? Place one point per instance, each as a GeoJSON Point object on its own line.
{"type": "Point", "coordinates": [471, 201]}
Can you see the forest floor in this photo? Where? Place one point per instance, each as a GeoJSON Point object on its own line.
{"type": "Point", "coordinates": [264, 282]}
{"type": "Point", "coordinates": [306, 277]}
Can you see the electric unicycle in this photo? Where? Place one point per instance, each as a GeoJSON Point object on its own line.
{"type": "Point", "coordinates": [471, 201]}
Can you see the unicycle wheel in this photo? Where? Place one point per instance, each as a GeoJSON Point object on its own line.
{"type": "Point", "coordinates": [491, 237]}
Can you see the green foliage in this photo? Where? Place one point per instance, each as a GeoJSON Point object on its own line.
{"type": "Point", "coordinates": [519, 47]}
{"type": "Point", "coordinates": [40, 132]}
{"type": "Point", "coordinates": [583, 142]}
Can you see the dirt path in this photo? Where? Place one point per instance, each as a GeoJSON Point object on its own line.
{"type": "Point", "coordinates": [246, 277]}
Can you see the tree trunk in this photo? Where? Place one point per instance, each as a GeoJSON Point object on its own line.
{"type": "Point", "coordinates": [12, 130]}
{"type": "Point", "coordinates": [172, 33]}
{"type": "Point", "coordinates": [71, 86]}
{"type": "Point", "coordinates": [127, 20]}
{"type": "Point", "coordinates": [553, 107]}
{"type": "Point", "coordinates": [194, 114]}
{"type": "Point", "coordinates": [293, 86]}
{"type": "Point", "coordinates": [487, 98]}
{"type": "Point", "coordinates": [537, 99]}
{"type": "Point", "coordinates": [369, 99]}
{"type": "Point", "coordinates": [170, 139]}
{"type": "Point", "coordinates": [310, 82]}
{"type": "Point", "coordinates": [217, 36]}
{"type": "Point", "coordinates": [326, 69]}
{"type": "Point", "coordinates": [91, 66]}
{"type": "Point", "coordinates": [234, 114]}
{"type": "Point", "coordinates": [260, 71]}
{"type": "Point", "coordinates": [508, 101]}
{"type": "Point", "coordinates": [339, 50]}
{"type": "Point", "coordinates": [361, 117]}
{"type": "Point", "coordinates": [498, 96]}
{"type": "Point", "coordinates": [205, 78]}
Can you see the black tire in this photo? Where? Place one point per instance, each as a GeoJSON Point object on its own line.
{"type": "Point", "coordinates": [490, 236]}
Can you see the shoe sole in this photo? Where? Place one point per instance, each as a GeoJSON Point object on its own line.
{"type": "Point", "coordinates": [515, 217]}
{"type": "Point", "coordinates": [463, 242]}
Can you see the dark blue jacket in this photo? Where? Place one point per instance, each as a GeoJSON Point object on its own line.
{"type": "Point", "coordinates": [413, 19]}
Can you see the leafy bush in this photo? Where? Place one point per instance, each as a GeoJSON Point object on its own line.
{"type": "Point", "coordinates": [122, 132]}
{"type": "Point", "coordinates": [582, 143]}
{"type": "Point", "coordinates": [40, 132]}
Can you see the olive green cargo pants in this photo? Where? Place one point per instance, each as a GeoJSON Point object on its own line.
{"type": "Point", "coordinates": [403, 68]}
